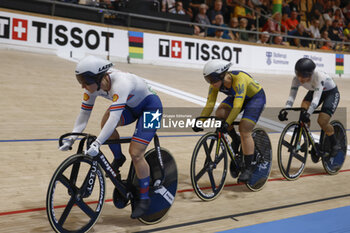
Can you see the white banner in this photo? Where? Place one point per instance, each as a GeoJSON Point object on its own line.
{"type": "Point", "coordinates": [70, 39]}
{"type": "Point", "coordinates": [24, 30]}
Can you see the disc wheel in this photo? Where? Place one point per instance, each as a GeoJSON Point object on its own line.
{"type": "Point", "coordinates": [263, 160]}
{"type": "Point", "coordinates": [332, 165]}
{"type": "Point", "coordinates": [162, 190]}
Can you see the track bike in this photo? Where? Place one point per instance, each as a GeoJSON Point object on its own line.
{"type": "Point", "coordinates": [210, 161]}
{"type": "Point", "coordinates": [76, 193]}
{"type": "Point", "coordinates": [294, 143]}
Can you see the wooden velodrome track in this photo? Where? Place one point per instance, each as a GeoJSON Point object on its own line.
{"type": "Point", "coordinates": [40, 98]}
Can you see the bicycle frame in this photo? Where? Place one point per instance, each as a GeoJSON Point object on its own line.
{"type": "Point", "coordinates": [106, 166]}
{"type": "Point", "coordinates": [224, 138]}
{"type": "Point", "coordinates": [304, 126]}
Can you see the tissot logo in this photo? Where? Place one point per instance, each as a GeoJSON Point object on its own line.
{"type": "Point", "coordinates": [19, 29]}
{"type": "Point", "coordinates": [165, 47]}
{"type": "Point", "coordinates": [56, 33]}
{"type": "Point", "coordinates": [4, 27]}
{"type": "Point", "coordinates": [198, 51]}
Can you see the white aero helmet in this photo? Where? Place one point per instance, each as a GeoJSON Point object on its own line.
{"type": "Point", "coordinates": [215, 70]}
{"type": "Point", "coordinates": [91, 70]}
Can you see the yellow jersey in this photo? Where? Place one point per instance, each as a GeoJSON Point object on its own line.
{"type": "Point", "coordinates": [243, 88]}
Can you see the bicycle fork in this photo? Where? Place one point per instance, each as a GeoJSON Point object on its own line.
{"type": "Point", "coordinates": [89, 182]}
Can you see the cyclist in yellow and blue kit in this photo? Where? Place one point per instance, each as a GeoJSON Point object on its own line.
{"type": "Point", "coordinates": [243, 94]}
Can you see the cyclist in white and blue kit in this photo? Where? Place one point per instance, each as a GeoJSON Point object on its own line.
{"type": "Point", "coordinates": [322, 90]}
{"type": "Point", "coordinates": [131, 97]}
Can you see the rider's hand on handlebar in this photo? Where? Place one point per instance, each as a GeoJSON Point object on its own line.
{"type": "Point", "coordinates": [224, 127]}
{"type": "Point", "coordinates": [94, 148]}
{"type": "Point", "coordinates": [282, 116]}
{"type": "Point", "coordinates": [305, 117]}
{"type": "Point", "coordinates": [67, 144]}
{"type": "Point", "coordinates": [196, 129]}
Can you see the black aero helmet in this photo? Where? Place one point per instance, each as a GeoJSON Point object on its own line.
{"type": "Point", "coordinates": [304, 67]}
{"type": "Point", "coordinates": [91, 70]}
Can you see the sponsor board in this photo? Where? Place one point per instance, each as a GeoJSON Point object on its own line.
{"type": "Point", "coordinates": [46, 33]}
{"type": "Point", "coordinates": [151, 48]}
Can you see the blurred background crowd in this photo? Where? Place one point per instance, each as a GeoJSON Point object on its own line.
{"type": "Point", "coordinates": [281, 22]}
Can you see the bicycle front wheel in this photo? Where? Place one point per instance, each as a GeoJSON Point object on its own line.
{"type": "Point", "coordinates": [292, 151]}
{"type": "Point", "coordinates": [76, 194]}
{"type": "Point", "coordinates": [332, 165]}
{"type": "Point", "coordinates": [209, 167]}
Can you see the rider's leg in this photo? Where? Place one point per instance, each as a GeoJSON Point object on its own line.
{"type": "Point", "coordinates": [245, 129]}
{"type": "Point", "coordinates": [142, 169]}
{"type": "Point", "coordinates": [119, 158]}
{"type": "Point", "coordinates": [305, 104]}
{"type": "Point", "coordinates": [323, 121]}
{"type": "Point", "coordinates": [137, 151]}
{"type": "Point", "coordinates": [138, 145]}
{"type": "Point", "coordinates": [222, 112]}
{"type": "Point", "coordinates": [330, 103]}
{"type": "Point", "coordinates": [252, 111]}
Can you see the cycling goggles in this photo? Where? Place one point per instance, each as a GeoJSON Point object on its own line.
{"type": "Point", "coordinates": [213, 78]}
{"type": "Point", "coordinates": [85, 80]}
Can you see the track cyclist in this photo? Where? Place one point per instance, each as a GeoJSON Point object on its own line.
{"type": "Point", "coordinates": [322, 89]}
{"type": "Point", "coordinates": [243, 94]}
{"type": "Point", "coordinates": [130, 97]}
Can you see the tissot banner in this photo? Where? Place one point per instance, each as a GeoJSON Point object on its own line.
{"type": "Point", "coordinates": [151, 48]}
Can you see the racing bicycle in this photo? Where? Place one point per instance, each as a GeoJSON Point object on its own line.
{"type": "Point", "coordinates": [210, 161]}
{"type": "Point", "coordinates": [76, 193]}
{"type": "Point", "coordinates": [294, 143]}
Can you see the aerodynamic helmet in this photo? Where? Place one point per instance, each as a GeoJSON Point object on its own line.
{"type": "Point", "coordinates": [304, 67]}
{"type": "Point", "coordinates": [91, 70]}
{"type": "Point", "coordinates": [215, 70]}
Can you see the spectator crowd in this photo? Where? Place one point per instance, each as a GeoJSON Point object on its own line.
{"type": "Point", "coordinates": [326, 20]}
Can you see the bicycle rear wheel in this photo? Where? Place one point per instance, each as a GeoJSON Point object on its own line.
{"type": "Point", "coordinates": [162, 192]}
{"type": "Point", "coordinates": [263, 160]}
{"type": "Point", "coordinates": [292, 151]}
{"type": "Point", "coordinates": [208, 167]}
{"type": "Point", "coordinates": [332, 165]}
{"type": "Point", "coordinates": [76, 194]}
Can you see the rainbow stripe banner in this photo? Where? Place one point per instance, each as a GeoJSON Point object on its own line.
{"type": "Point", "coordinates": [276, 6]}
{"type": "Point", "coordinates": [339, 64]}
{"type": "Point", "coordinates": [136, 44]}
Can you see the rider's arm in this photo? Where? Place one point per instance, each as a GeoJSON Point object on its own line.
{"type": "Point", "coordinates": [240, 87]}
{"type": "Point", "coordinates": [211, 100]}
{"type": "Point", "coordinates": [120, 91]}
{"type": "Point", "coordinates": [316, 97]}
{"type": "Point", "coordinates": [293, 92]}
{"type": "Point", "coordinates": [85, 112]}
